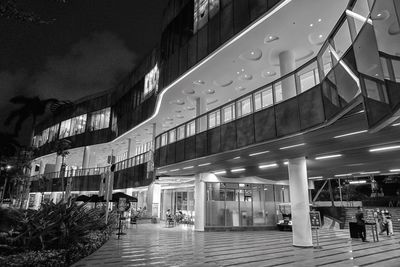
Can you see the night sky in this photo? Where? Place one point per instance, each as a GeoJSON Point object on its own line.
{"type": "Point", "coordinates": [89, 47]}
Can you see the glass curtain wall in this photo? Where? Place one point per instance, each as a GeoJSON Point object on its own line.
{"type": "Point", "coordinates": [244, 205]}
{"type": "Point", "coordinates": [179, 199]}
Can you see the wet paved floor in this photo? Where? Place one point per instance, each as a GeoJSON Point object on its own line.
{"type": "Point", "coordinates": [155, 245]}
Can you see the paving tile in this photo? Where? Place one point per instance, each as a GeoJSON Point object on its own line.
{"type": "Point", "coordinates": [155, 245]}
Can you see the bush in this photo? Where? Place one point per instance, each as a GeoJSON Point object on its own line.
{"type": "Point", "coordinates": [54, 235]}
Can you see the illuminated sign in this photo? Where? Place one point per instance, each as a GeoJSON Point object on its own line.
{"type": "Point", "coordinates": [151, 80]}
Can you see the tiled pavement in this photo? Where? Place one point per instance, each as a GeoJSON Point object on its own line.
{"type": "Point", "coordinates": [155, 245]}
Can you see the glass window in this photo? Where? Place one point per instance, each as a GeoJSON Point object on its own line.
{"type": "Point", "coordinates": [257, 101]}
{"type": "Point", "coordinates": [191, 128]}
{"type": "Point", "coordinates": [65, 128]}
{"type": "Point", "coordinates": [202, 123]}
{"type": "Point", "coordinates": [100, 119]}
{"type": "Point", "coordinates": [45, 136]}
{"type": "Point", "coordinates": [308, 77]}
{"type": "Point", "coordinates": [326, 60]}
{"type": "Point", "coordinates": [163, 139]}
{"type": "Point", "coordinates": [53, 131]}
{"type": "Point", "coordinates": [244, 106]}
{"type": "Point", "coordinates": [266, 96]}
{"type": "Point", "coordinates": [157, 142]}
{"type": "Point", "coordinates": [78, 124]}
{"type": "Point", "coordinates": [215, 205]}
{"type": "Point", "coordinates": [342, 39]}
{"type": "Point", "coordinates": [214, 119]}
{"type": "Point", "coordinates": [278, 92]}
{"type": "Point", "coordinates": [181, 132]}
{"type": "Point", "coordinates": [203, 10]}
{"type": "Point", "coordinates": [396, 69]}
{"type": "Point", "coordinates": [151, 80]}
{"type": "Point", "coordinates": [172, 137]}
{"type": "Point", "coordinates": [228, 113]}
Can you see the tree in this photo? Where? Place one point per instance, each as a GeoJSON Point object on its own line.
{"type": "Point", "coordinates": [10, 10]}
{"type": "Point", "coordinates": [8, 145]}
{"type": "Point", "coordinates": [62, 150]}
{"type": "Point", "coordinates": [31, 107]}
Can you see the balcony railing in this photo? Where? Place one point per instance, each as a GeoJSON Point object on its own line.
{"type": "Point", "coordinates": [124, 164]}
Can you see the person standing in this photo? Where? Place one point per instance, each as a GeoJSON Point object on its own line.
{"type": "Point", "coordinates": [361, 224]}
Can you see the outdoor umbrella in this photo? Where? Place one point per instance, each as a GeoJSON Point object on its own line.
{"type": "Point", "coordinates": [83, 198]}
{"type": "Point", "coordinates": [118, 195]}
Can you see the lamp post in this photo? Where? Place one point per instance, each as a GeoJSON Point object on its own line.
{"type": "Point", "coordinates": [5, 169]}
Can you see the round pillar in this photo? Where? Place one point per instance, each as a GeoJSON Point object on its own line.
{"type": "Point", "coordinates": [287, 64]}
{"type": "Point", "coordinates": [199, 203]}
{"type": "Point", "coordinates": [86, 157]}
{"type": "Point", "coordinates": [298, 185]}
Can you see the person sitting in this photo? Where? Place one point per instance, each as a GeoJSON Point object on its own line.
{"type": "Point", "coordinates": [361, 224]}
{"type": "Point", "coordinates": [169, 219]}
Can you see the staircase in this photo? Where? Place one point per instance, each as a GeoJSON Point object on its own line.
{"type": "Point", "coordinates": [351, 217]}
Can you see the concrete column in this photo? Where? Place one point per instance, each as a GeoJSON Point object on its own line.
{"type": "Point", "coordinates": [298, 184]}
{"type": "Point", "coordinates": [42, 167]}
{"type": "Point", "coordinates": [153, 200]}
{"type": "Point", "coordinates": [201, 108]}
{"type": "Point", "coordinates": [199, 203]}
{"type": "Point", "coordinates": [86, 157]}
{"type": "Point", "coordinates": [58, 164]}
{"type": "Point", "coordinates": [287, 64]}
{"type": "Point", "coordinates": [131, 147]}
{"type": "Point", "coordinates": [92, 160]}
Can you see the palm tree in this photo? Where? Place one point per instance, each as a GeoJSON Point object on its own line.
{"type": "Point", "coordinates": [62, 150]}
{"type": "Point", "coordinates": [31, 107]}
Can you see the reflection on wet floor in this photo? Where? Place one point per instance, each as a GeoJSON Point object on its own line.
{"type": "Point", "coordinates": [156, 245]}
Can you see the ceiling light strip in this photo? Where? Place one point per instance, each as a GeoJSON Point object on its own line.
{"type": "Point", "coordinates": [188, 167]}
{"type": "Point", "coordinates": [371, 172]}
{"type": "Point", "coordinates": [204, 164]}
{"type": "Point", "coordinates": [349, 134]}
{"type": "Point", "coordinates": [395, 170]}
{"type": "Point", "coordinates": [287, 147]}
{"type": "Point", "coordinates": [396, 124]}
{"type": "Point", "coordinates": [238, 170]}
{"type": "Point", "coordinates": [258, 153]}
{"type": "Point", "coordinates": [219, 172]}
{"type": "Point", "coordinates": [343, 175]}
{"type": "Point", "coordinates": [264, 166]}
{"type": "Point", "coordinates": [315, 177]}
{"type": "Point", "coordinates": [329, 156]}
{"type": "Point", "coordinates": [385, 148]}
{"type": "Point", "coordinates": [211, 56]}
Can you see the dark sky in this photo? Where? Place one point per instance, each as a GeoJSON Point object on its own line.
{"type": "Point", "coordinates": [89, 47]}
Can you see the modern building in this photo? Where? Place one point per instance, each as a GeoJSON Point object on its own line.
{"type": "Point", "coordinates": [242, 105]}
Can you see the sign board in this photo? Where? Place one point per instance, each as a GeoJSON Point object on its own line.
{"type": "Point", "coordinates": [122, 204]}
{"type": "Point", "coordinates": [315, 219]}
{"type": "Point", "coordinates": [369, 217]}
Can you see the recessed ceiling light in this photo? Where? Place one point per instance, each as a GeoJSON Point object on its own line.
{"type": "Point", "coordinates": [328, 156]}
{"type": "Point", "coordinates": [204, 164]}
{"type": "Point", "coordinates": [379, 14]}
{"type": "Point", "coordinates": [396, 124]}
{"type": "Point", "coordinates": [319, 20]}
{"type": "Point", "coordinates": [371, 172]}
{"type": "Point", "coordinates": [343, 175]}
{"type": "Point", "coordinates": [188, 167]}
{"type": "Point", "coordinates": [352, 133]}
{"type": "Point", "coordinates": [238, 157]}
{"type": "Point", "coordinates": [311, 25]}
{"type": "Point", "coordinates": [258, 153]}
{"type": "Point", "coordinates": [264, 166]}
{"type": "Point", "coordinates": [384, 148]}
{"type": "Point", "coordinates": [287, 147]}
{"type": "Point", "coordinates": [395, 170]}
{"type": "Point", "coordinates": [219, 172]}
{"type": "Point", "coordinates": [174, 170]}
{"type": "Point", "coordinates": [270, 38]}
{"type": "Point", "coordinates": [286, 162]}
{"type": "Point", "coordinates": [320, 36]}
{"type": "Point", "coordinates": [238, 170]}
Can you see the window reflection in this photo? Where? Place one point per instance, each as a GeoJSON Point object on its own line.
{"type": "Point", "coordinates": [203, 11]}
{"type": "Point", "coordinates": [99, 119]}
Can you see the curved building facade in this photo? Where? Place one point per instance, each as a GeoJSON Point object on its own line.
{"type": "Point", "coordinates": [242, 106]}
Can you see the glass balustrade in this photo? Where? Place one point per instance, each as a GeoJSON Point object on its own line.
{"type": "Point", "coordinates": [334, 67]}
